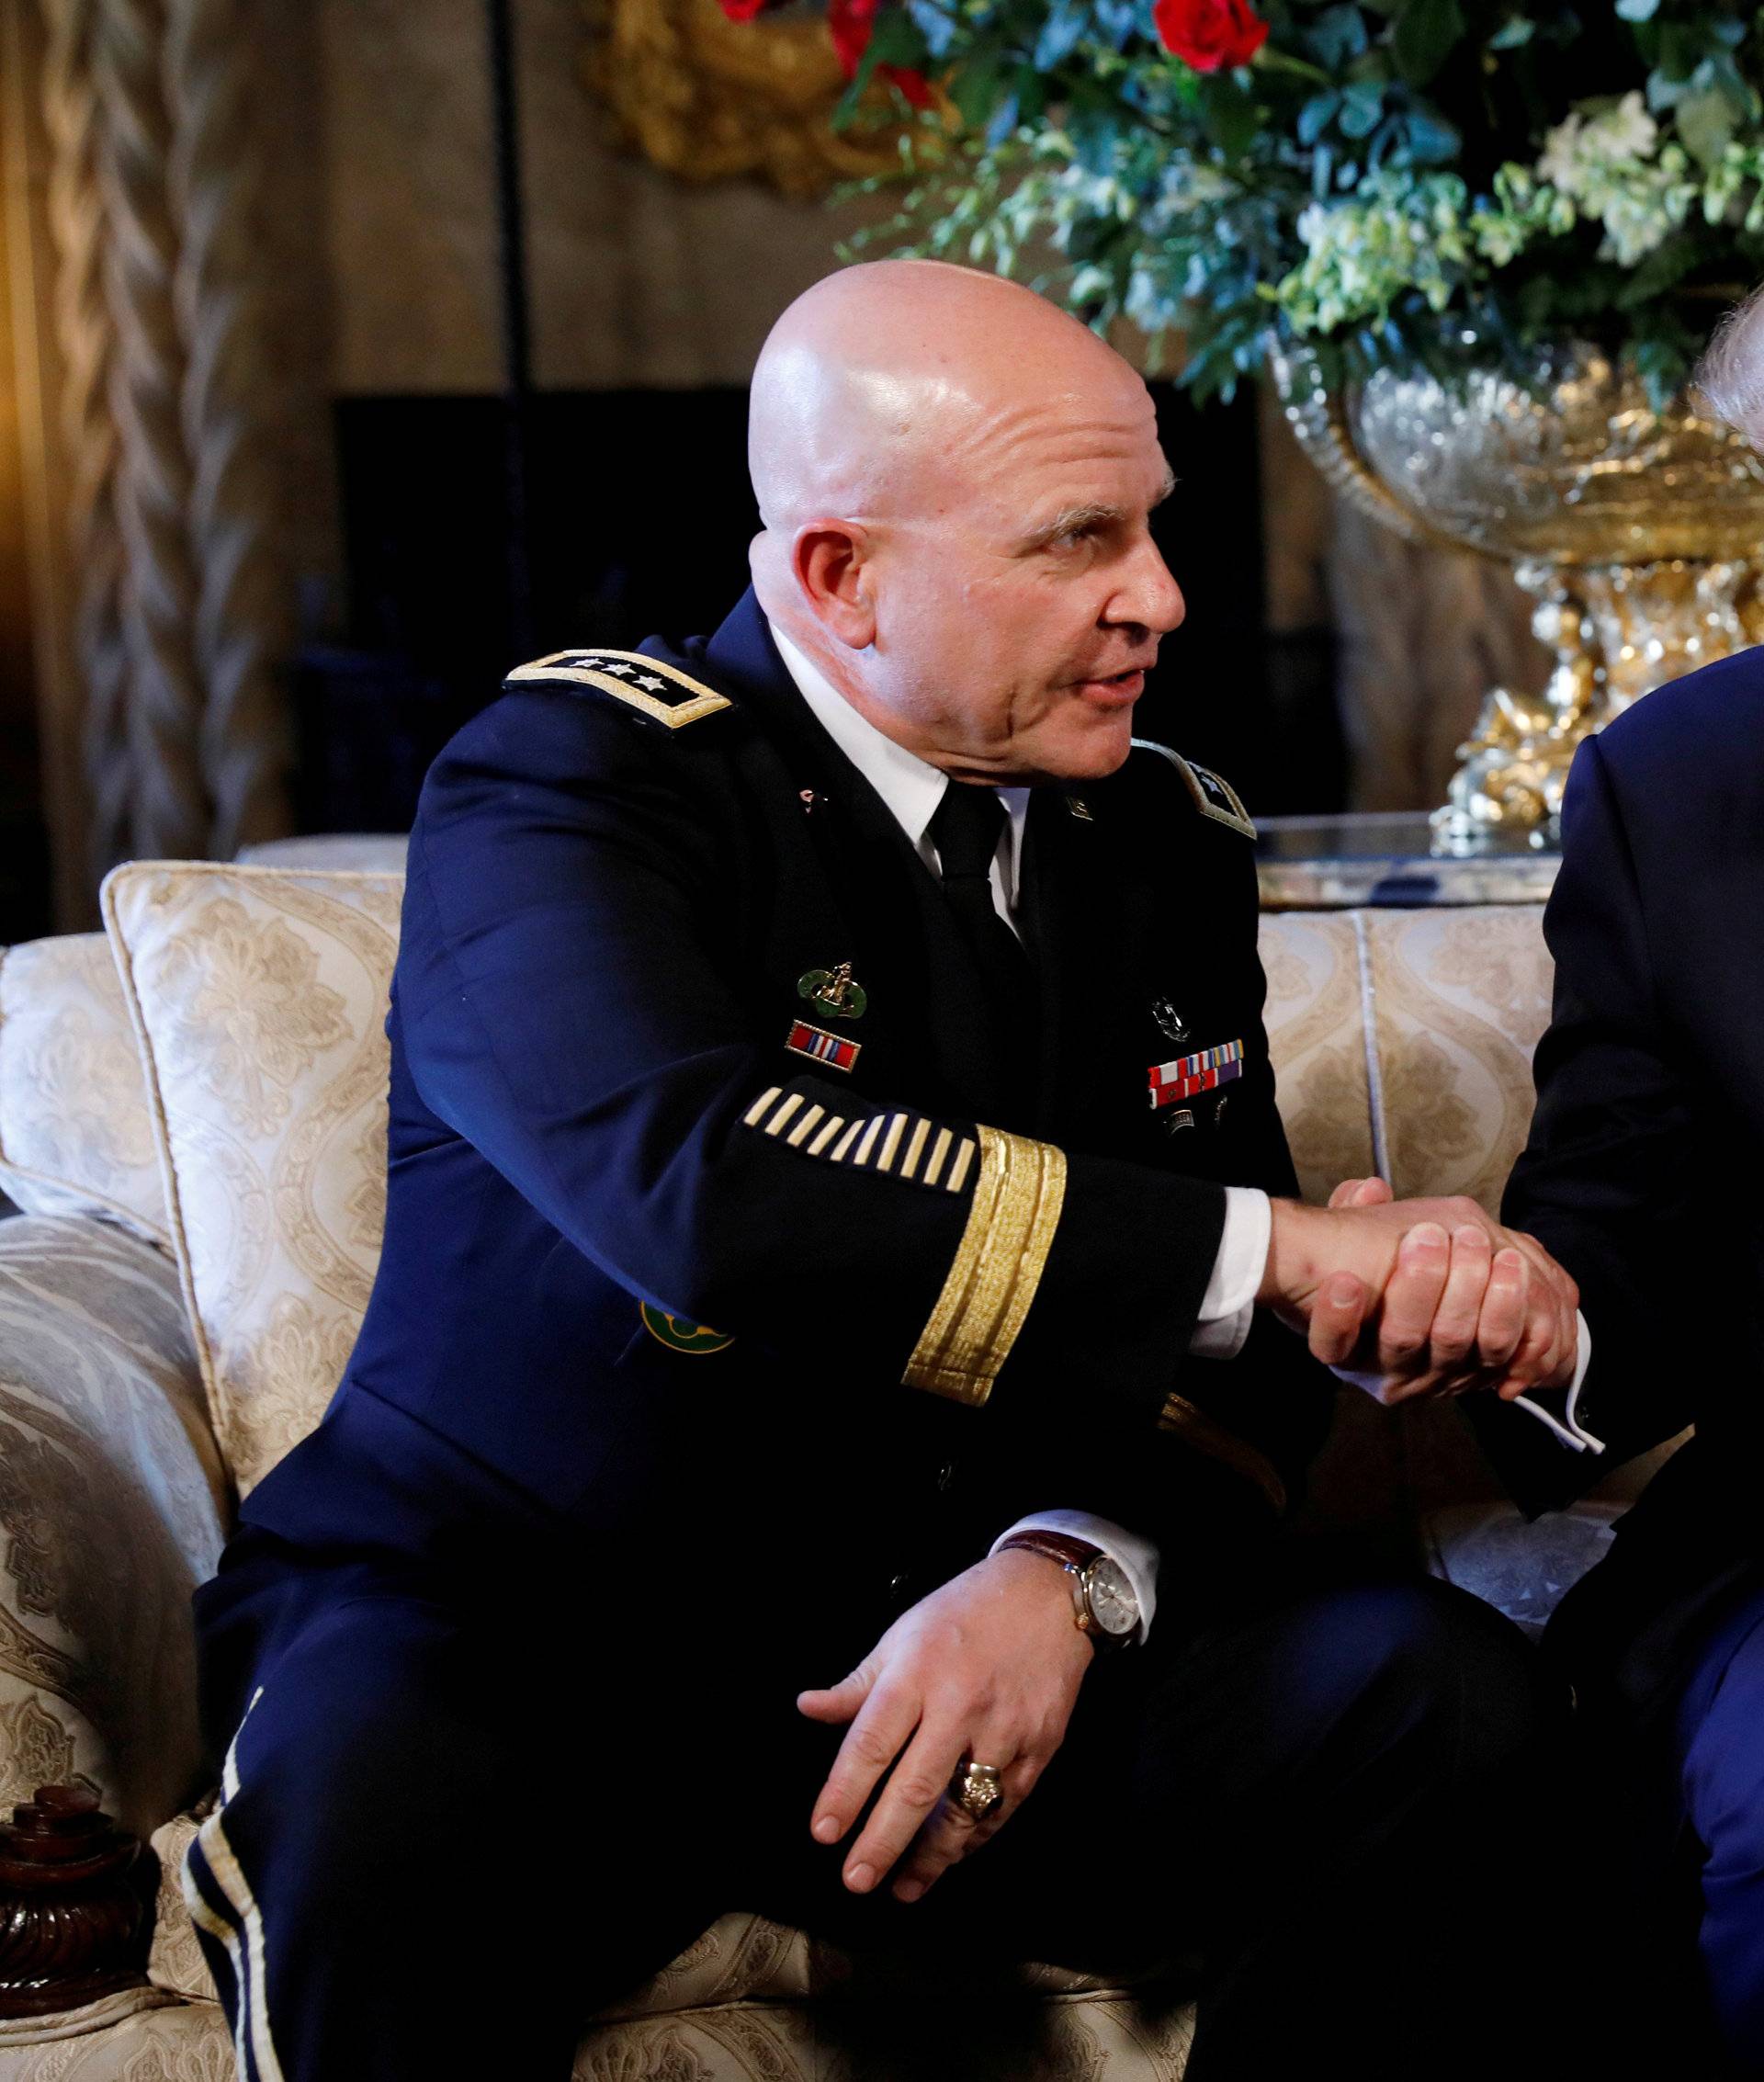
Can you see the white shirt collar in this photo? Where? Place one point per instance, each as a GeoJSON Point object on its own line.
{"type": "Point", "coordinates": [910, 787]}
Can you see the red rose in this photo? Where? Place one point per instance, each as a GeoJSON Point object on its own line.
{"type": "Point", "coordinates": [850, 22]}
{"type": "Point", "coordinates": [743, 10]}
{"type": "Point", "coordinates": [1210, 34]}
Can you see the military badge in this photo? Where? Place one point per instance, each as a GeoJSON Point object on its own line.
{"type": "Point", "coordinates": [1170, 1023]}
{"type": "Point", "coordinates": [680, 1335]}
{"type": "Point", "coordinates": [821, 1047]}
{"type": "Point", "coordinates": [835, 990]}
{"type": "Point", "coordinates": [1204, 1072]}
{"type": "Point", "coordinates": [1178, 1117]}
{"type": "Point", "coordinates": [1077, 806]}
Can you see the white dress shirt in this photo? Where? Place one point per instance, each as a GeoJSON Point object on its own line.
{"type": "Point", "coordinates": [912, 787]}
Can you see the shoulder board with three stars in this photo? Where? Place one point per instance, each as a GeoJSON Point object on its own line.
{"type": "Point", "coordinates": [658, 692]}
{"type": "Point", "coordinates": [1214, 795]}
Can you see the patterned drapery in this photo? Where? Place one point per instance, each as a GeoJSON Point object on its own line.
{"type": "Point", "coordinates": [167, 492]}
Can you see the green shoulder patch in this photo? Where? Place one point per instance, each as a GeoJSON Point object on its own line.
{"type": "Point", "coordinates": [1214, 795]}
{"type": "Point", "coordinates": [658, 692]}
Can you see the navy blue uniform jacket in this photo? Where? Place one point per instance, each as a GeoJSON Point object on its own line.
{"type": "Point", "coordinates": [653, 1279]}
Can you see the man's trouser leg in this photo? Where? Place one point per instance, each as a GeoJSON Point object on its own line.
{"type": "Point", "coordinates": [1721, 1733]}
{"type": "Point", "coordinates": [421, 1867]}
{"type": "Point", "coordinates": [1327, 1791]}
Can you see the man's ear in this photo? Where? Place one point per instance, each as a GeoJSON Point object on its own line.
{"type": "Point", "coordinates": [830, 563]}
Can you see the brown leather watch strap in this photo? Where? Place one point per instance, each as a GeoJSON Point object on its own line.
{"type": "Point", "coordinates": [1057, 1546]}
{"type": "Point", "coordinates": [1075, 1556]}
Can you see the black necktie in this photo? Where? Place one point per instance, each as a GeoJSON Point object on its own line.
{"type": "Point", "coordinates": [966, 828]}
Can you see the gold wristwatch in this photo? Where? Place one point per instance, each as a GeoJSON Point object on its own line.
{"type": "Point", "coordinates": [1103, 1604]}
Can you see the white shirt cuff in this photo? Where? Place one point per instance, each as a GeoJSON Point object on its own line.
{"type": "Point", "coordinates": [1137, 1558]}
{"type": "Point", "coordinates": [1563, 1418]}
{"type": "Point", "coordinates": [1566, 1422]}
{"type": "Point", "coordinates": [1229, 1306]}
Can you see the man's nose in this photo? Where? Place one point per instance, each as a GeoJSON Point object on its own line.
{"type": "Point", "coordinates": [1152, 597]}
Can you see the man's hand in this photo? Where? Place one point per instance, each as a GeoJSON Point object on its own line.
{"type": "Point", "coordinates": [1429, 1296]}
{"type": "Point", "coordinates": [984, 1670]}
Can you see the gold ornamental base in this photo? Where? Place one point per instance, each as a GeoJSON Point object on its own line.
{"type": "Point", "coordinates": [1617, 630]}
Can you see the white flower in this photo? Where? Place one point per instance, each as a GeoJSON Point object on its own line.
{"type": "Point", "coordinates": [1398, 233]}
{"type": "Point", "coordinates": [1583, 155]}
{"type": "Point", "coordinates": [1626, 131]}
{"type": "Point", "coordinates": [1560, 161]}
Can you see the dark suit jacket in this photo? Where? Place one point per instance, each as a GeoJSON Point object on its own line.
{"type": "Point", "coordinates": [643, 1287]}
{"type": "Point", "coordinates": [1641, 1174]}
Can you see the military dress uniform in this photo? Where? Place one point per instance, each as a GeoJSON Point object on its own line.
{"type": "Point", "coordinates": [746, 1268]}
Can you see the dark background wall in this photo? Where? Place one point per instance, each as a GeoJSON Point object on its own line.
{"type": "Point", "coordinates": [649, 298]}
{"type": "Point", "coordinates": [639, 516]}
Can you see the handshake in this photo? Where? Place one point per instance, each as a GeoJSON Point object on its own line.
{"type": "Point", "coordinates": [1424, 1297]}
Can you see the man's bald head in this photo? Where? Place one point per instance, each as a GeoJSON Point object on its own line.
{"type": "Point", "coordinates": [938, 455]}
{"type": "Point", "coordinates": [881, 380]}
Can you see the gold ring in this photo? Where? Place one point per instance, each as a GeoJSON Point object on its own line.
{"type": "Point", "coordinates": [976, 1790]}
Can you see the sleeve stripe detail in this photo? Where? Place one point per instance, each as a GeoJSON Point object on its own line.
{"type": "Point", "coordinates": [1019, 1188]}
{"type": "Point", "coordinates": [915, 1148]}
{"type": "Point", "coordinates": [892, 1142]}
{"type": "Point", "coordinates": [783, 1113]}
{"type": "Point", "coordinates": [1207, 1435]}
{"type": "Point", "coordinates": [895, 1141]}
{"type": "Point", "coordinates": [939, 1150]}
{"type": "Point", "coordinates": [804, 1127]}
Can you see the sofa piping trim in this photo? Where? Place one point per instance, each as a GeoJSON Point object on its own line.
{"type": "Point", "coordinates": [1369, 1031]}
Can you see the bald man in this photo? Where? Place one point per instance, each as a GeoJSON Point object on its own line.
{"type": "Point", "coordinates": [837, 1220]}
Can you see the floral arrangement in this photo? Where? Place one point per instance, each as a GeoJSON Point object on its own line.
{"type": "Point", "coordinates": [1433, 183]}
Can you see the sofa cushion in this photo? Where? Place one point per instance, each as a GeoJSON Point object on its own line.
{"type": "Point", "coordinates": [112, 1505]}
{"type": "Point", "coordinates": [76, 1133]}
{"type": "Point", "coordinates": [1461, 999]}
{"type": "Point", "coordinates": [259, 997]}
{"type": "Point", "coordinates": [1098, 2038]}
{"type": "Point", "coordinates": [1316, 1038]}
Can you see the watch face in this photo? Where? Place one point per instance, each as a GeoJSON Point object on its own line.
{"type": "Point", "coordinates": [1113, 1606]}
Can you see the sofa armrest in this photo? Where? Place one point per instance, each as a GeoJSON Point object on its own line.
{"type": "Point", "coordinates": [113, 1506]}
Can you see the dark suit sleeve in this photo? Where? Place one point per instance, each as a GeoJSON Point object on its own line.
{"type": "Point", "coordinates": [1601, 1182]}
{"type": "Point", "coordinates": [571, 1005]}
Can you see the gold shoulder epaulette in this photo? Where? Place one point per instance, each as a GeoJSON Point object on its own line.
{"type": "Point", "coordinates": [1214, 795]}
{"type": "Point", "coordinates": [661, 692]}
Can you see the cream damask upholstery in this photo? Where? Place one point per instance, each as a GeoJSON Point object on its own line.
{"type": "Point", "coordinates": [232, 1058]}
{"type": "Point", "coordinates": [114, 1502]}
{"type": "Point", "coordinates": [259, 997]}
{"type": "Point", "coordinates": [1459, 1001]}
{"type": "Point", "coordinates": [1315, 1022]}
{"type": "Point", "coordinates": [76, 1135]}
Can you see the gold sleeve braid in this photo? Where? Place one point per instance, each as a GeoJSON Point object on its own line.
{"type": "Point", "coordinates": [1019, 1186]}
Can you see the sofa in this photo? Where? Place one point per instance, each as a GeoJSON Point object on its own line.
{"type": "Point", "coordinates": [192, 1134]}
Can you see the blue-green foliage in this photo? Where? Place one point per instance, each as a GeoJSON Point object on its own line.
{"type": "Point", "coordinates": [1434, 182]}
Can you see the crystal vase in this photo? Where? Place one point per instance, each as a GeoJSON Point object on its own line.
{"type": "Point", "coordinates": [1639, 533]}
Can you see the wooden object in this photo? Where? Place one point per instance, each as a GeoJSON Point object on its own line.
{"type": "Point", "coordinates": [75, 1895]}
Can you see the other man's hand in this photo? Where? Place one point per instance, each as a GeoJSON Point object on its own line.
{"type": "Point", "coordinates": [1430, 1296]}
{"type": "Point", "coordinates": [985, 1670]}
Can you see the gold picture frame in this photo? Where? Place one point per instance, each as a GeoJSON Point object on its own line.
{"type": "Point", "coordinates": [712, 99]}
